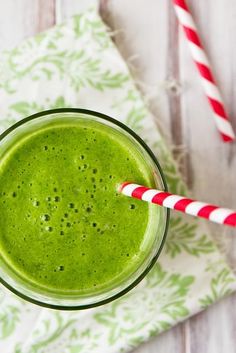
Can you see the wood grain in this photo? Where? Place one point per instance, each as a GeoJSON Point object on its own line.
{"type": "Point", "coordinates": [214, 330]}
{"type": "Point", "coordinates": [68, 8]}
{"type": "Point", "coordinates": [170, 341]}
{"type": "Point", "coordinates": [20, 19]}
{"type": "Point", "coordinates": [213, 163]}
{"type": "Point", "coordinates": [174, 99]}
{"type": "Point", "coordinates": [156, 51]}
{"type": "Point", "coordinates": [153, 83]}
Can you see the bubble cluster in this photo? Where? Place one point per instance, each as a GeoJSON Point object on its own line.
{"type": "Point", "coordinates": [45, 217]}
{"type": "Point", "coordinates": [59, 268]}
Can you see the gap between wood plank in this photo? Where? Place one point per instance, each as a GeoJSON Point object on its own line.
{"type": "Point", "coordinates": [46, 15]}
{"type": "Point", "coordinates": [174, 97]}
{"type": "Point", "coordinates": [173, 73]}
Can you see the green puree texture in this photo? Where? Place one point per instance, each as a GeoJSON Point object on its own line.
{"type": "Point", "coordinates": [63, 225]}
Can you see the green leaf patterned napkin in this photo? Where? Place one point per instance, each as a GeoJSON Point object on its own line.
{"type": "Point", "coordinates": [75, 64]}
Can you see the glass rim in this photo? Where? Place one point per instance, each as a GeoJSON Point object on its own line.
{"type": "Point", "coordinates": [163, 180]}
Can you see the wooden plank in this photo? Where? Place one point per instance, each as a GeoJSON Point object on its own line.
{"type": "Point", "coordinates": [68, 8]}
{"type": "Point", "coordinates": [170, 341]}
{"type": "Point", "coordinates": [20, 19]}
{"type": "Point", "coordinates": [174, 98]}
{"type": "Point", "coordinates": [45, 11]}
{"type": "Point", "coordinates": [213, 164]}
{"type": "Point", "coordinates": [200, 133]}
{"type": "Point", "coordinates": [214, 329]}
{"type": "Point", "coordinates": [143, 44]}
{"type": "Point", "coordinates": [156, 74]}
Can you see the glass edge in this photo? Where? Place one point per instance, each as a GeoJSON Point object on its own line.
{"type": "Point", "coordinates": [150, 153]}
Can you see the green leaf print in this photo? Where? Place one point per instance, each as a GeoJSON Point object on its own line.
{"type": "Point", "coordinates": [220, 287]}
{"type": "Point", "coordinates": [22, 109]}
{"type": "Point", "coordinates": [7, 122]}
{"type": "Point", "coordinates": [62, 331]}
{"type": "Point", "coordinates": [9, 317]}
{"type": "Point", "coordinates": [20, 61]}
{"type": "Point", "coordinates": [79, 25]}
{"type": "Point", "coordinates": [50, 331]}
{"type": "Point", "coordinates": [134, 117]}
{"type": "Point", "coordinates": [164, 296]}
{"type": "Point", "coordinates": [135, 110]}
{"type": "Point", "coordinates": [75, 349]}
{"type": "Point", "coordinates": [107, 79]}
{"type": "Point", "coordinates": [77, 66]}
{"type": "Point", "coordinates": [18, 348]}
{"type": "Point", "coordinates": [93, 27]}
{"type": "Point", "coordinates": [59, 103]}
{"type": "Point", "coordinates": [116, 332]}
{"type": "Point", "coordinates": [177, 287]}
{"type": "Point", "coordinates": [184, 237]}
{"type": "Point", "coordinates": [25, 108]}
{"type": "Point", "coordinates": [49, 38]}
{"type": "Point", "coordinates": [28, 64]}
{"type": "Point", "coordinates": [85, 71]}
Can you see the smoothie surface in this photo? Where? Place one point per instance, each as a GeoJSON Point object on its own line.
{"type": "Point", "coordinates": [64, 226]}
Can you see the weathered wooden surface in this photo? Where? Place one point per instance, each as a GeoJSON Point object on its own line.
{"type": "Point", "coordinates": [149, 38]}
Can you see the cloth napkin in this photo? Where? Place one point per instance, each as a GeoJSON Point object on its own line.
{"type": "Point", "coordinates": [76, 64]}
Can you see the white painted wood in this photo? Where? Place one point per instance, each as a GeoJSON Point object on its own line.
{"type": "Point", "coordinates": [213, 164]}
{"type": "Point", "coordinates": [141, 37]}
{"type": "Point", "coordinates": [169, 342]}
{"type": "Point", "coordinates": [20, 19]}
{"type": "Point", "coordinates": [214, 329]}
{"type": "Point", "coordinates": [68, 8]}
{"type": "Point", "coordinates": [147, 37]}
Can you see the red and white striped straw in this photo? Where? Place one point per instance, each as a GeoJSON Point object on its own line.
{"type": "Point", "coordinates": [180, 203]}
{"type": "Point", "coordinates": [203, 65]}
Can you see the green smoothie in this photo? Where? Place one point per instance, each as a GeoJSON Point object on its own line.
{"type": "Point", "coordinates": [64, 227]}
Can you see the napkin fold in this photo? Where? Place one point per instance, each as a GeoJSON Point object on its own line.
{"type": "Point", "coordinates": [75, 64]}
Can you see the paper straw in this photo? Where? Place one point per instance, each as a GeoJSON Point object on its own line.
{"type": "Point", "coordinates": [180, 203]}
{"type": "Point", "coordinates": [201, 60]}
